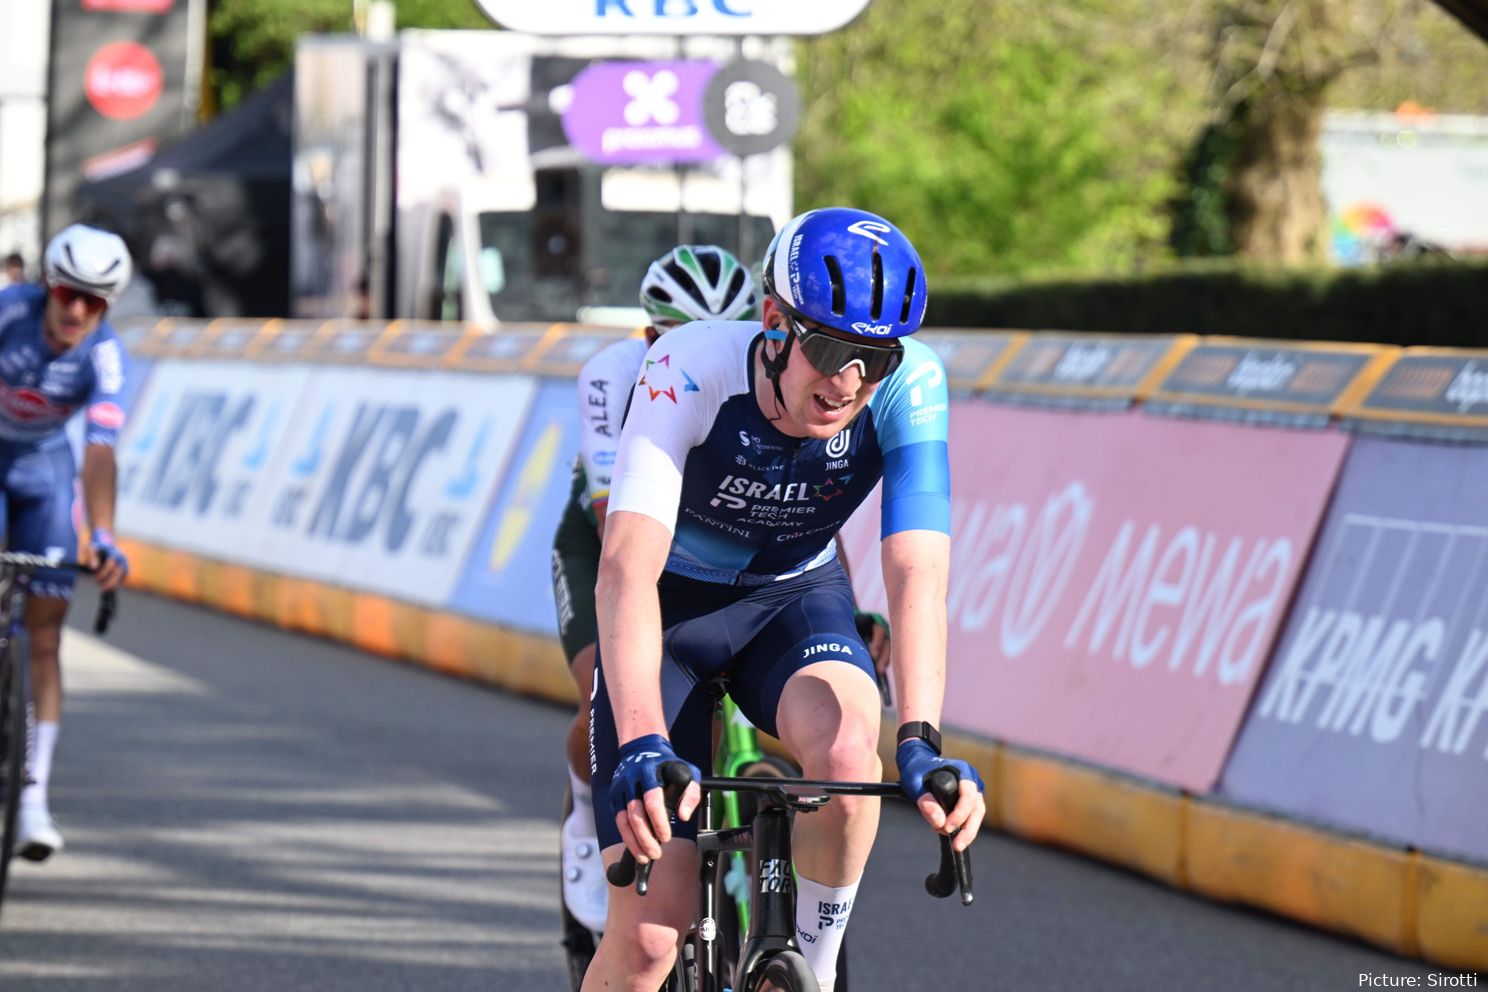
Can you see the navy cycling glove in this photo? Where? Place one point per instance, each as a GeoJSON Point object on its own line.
{"type": "Point", "coordinates": [639, 770]}
{"type": "Point", "coordinates": [917, 760]}
{"type": "Point", "coordinates": [103, 543]}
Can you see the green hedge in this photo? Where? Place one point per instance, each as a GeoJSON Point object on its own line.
{"type": "Point", "coordinates": [1441, 303]}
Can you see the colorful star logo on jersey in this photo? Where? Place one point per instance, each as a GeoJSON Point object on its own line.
{"type": "Point", "coordinates": [831, 488]}
{"type": "Point", "coordinates": [659, 383]}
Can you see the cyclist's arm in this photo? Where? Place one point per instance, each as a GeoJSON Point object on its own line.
{"type": "Point", "coordinates": [100, 472]}
{"type": "Point", "coordinates": [916, 565]}
{"type": "Point", "coordinates": [629, 614]}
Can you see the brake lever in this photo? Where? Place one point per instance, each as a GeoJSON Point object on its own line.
{"type": "Point", "coordinates": [955, 866]}
{"type": "Point", "coordinates": [675, 779]}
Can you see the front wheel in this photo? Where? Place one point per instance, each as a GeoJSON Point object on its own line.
{"type": "Point", "coordinates": [785, 972]}
{"type": "Point", "coordinates": [13, 693]}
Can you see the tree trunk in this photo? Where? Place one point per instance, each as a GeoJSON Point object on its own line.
{"type": "Point", "coordinates": [1276, 207]}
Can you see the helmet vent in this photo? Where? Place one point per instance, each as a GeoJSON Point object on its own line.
{"type": "Point", "coordinates": [839, 291]}
{"type": "Point", "coordinates": [878, 287]}
{"type": "Point", "coordinates": [909, 289]}
{"type": "Point", "coordinates": [736, 284]}
{"type": "Point", "coordinates": [657, 293]}
{"type": "Point", "coordinates": [712, 267]}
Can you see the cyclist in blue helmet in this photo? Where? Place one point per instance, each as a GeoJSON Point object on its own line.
{"type": "Point", "coordinates": [745, 450]}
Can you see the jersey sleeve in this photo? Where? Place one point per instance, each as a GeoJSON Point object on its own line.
{"type": "Point", "coordinates": [911, 415]}
{"type": "Point", "coordinates": [676, 399]}
{"type": "Point", "coordinates": [105, 416]}
{"type": "Point", "coordinates": [605, 384]}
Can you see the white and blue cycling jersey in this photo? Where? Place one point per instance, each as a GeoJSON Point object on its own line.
{"type": "Point", "coordinates": [40, 390]}
{"type": "Point", "coordinates": [605, 383]}
{"type": "Point", "coordinates": [748, 504]}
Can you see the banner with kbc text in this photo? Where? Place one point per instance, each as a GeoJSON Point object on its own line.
{"type": "Point", "coordinates": [1117, 580]}
{"type": "Point", "coordinates": [1371, 717]}
{"type": "Point", "coordinates": [375, 479]}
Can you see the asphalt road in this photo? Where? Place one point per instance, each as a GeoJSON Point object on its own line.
{"type": "Point", "coordinates": [246, 809]}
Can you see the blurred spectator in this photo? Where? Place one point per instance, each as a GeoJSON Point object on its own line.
{"type": "Point", "coordinates": [15, 269]}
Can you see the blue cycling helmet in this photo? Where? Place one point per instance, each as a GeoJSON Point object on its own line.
{"type": "Point", "coordinates": [849, 270]}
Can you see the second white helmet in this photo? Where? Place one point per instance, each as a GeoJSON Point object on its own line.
{"type": "Point", "coordinates": [697, 282]}
{"type": "Point", "coordinates": [89, 260]}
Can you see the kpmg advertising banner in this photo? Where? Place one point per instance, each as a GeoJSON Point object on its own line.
{"type": "Point", "coordinates": [1372, 714]}
{"type": "Point", "coordinates": [504, 579]}
{"type": "Point", "coordinates": [1117, 580]}
{"type": "Point", "coordinates": [370, 478]}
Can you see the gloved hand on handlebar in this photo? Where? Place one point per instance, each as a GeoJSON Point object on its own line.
{"type": "Point", "coordinates": [917, 760]}
{"type": "Point", "coordinates": [636, 798]}
{"type": "Point", "coordinates": [110, 565]}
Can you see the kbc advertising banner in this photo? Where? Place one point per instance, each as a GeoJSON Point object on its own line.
{"type": "Point", "coordinates": [1117, 579]}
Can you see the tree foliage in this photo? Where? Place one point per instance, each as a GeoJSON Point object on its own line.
{"type": "Point", "coordinates": [253, 41]}
{"type": "Point", "coordinates": [1005, 137]}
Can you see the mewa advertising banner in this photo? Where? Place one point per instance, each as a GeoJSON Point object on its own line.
{"type": "Point", "coordinates": [369, 478]}
{"type": "Point", "coordinates": [504, 579]}
{"type": "Point", "coordinates": [1117, 580]}
{"type": "Point", "coordinates": [1372, 714]}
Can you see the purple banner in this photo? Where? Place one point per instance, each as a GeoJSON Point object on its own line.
{"type": "Point", "coordinates": [634, 112]}
{"type": "Point", "coordinates": [1371, 716]}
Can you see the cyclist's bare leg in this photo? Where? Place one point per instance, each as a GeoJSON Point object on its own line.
{"type": "Point", "coordinates": [44, 618]}
{"type": "Point", "coordinates": [828, 719]}
{"type": "Point", "coordinates": [582, 669]}
{"type": "Point", "coordinates": [642, 933]}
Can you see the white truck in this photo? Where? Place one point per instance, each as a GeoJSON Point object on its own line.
{"type": "Point", "coordinates": [434, 179]}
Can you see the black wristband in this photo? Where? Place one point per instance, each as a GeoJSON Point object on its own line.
{"type": "Point", "coordinates": [924, 730]}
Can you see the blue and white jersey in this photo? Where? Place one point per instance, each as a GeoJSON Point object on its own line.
{"type": "Point", "coordinates": [747, 503]}
{"type": "Point", "coordinates": [40, 391]}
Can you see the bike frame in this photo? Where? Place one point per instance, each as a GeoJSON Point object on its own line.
{"type": "Point", "coordinates": [771, 927]}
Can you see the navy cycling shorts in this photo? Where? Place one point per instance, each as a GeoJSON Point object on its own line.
{"type": "Point", "coordinates": [758, 636]}
{"type": "Point", "coordinates": [38, 496]}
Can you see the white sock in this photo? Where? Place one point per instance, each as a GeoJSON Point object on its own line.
{"type": "Point", "coordinates": [43, 745]}
{"type": "Point", "coordinates": [583, 801]}
{"type": "Point", "coordinates": [821, 922]}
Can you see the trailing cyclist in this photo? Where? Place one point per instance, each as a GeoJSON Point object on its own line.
{"type": "Point", "coordinates": [691, 282]}
{"type": "Point", "coordinates": [59, 355]}
{"type": "Point", "coordinates": [747, 447]}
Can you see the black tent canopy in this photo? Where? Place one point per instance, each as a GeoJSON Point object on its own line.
{"type": "Point", "coordinates": [208, 217]}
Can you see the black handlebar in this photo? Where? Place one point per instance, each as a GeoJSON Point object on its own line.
{"type": "Point", "coordinates": [955, 866]}
{"type": "Point", "coordinates": [26, 563]}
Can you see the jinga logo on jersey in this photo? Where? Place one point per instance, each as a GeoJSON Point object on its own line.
{"type": "Point", "coordinates": [831, 647]}
{"type": "Point", "coordinates": [838, 444]}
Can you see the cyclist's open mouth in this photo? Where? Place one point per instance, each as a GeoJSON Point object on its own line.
{"type": "Point", "coordinates": [830, 408]}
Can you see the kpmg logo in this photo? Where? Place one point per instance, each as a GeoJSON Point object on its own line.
{"type": "Point", "coordinates": [674, 17]}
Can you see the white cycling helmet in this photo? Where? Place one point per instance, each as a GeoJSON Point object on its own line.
{"type": "Point", "coordinates": [89, 260]}
{"type": "Point", "coordinates": [697, 282]}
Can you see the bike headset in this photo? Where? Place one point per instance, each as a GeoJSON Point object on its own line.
{"type": "Point", "coordinates": [89, 260]}
{"type": "Point", "coordinates": [696, 282]}
{"type": "Point", "coordinates": [849, 271]}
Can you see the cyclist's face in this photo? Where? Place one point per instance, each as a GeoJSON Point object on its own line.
{"type": "Point", "coordinates": [816, 405]}
{"type": "Point", "coordinates": [70, 316]}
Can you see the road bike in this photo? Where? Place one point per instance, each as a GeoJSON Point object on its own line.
{"type": "Point", "coordinates": [16, 570]}
{"type": "Point", "coordinates": [738, 755]}
{"type": "Point", "coordinates": [769, 957]}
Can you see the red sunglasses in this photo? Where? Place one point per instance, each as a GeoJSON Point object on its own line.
{"type": "Point", "coordinates": [66, 296]}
